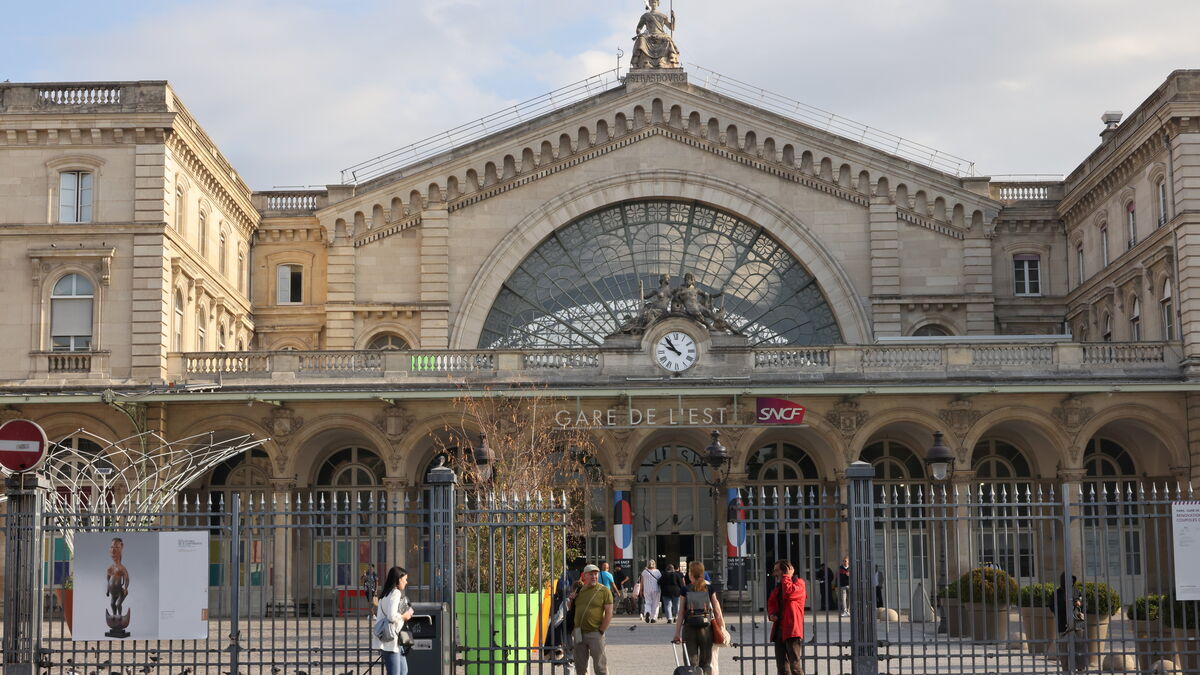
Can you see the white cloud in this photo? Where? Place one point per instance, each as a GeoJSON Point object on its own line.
{"type": "Point", "coordinates": [293, 92]}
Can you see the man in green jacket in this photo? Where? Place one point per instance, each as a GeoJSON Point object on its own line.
{"type": "Point", "coordinates": [593, 604]}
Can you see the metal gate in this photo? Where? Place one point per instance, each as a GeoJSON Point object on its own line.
{"type": "Point", "coordinates": [961, 578]}
{"type": "Point", "coordinates": [286, 582]}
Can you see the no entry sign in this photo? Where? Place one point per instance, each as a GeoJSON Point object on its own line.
{"type": "Point", "coordinates": [22, 445]}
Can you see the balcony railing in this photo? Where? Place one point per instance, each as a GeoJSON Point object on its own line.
{"type": "Point", "coordinates": [70, 365]}
{"type": "Point", "coordinates": [990, 360]}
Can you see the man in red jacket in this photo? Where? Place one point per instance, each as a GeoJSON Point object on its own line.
{"type": "Point", "coordinates": [785, 609]}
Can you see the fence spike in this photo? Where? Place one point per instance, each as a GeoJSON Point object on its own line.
{"type": "Point", "coordinates": [1189, 488]}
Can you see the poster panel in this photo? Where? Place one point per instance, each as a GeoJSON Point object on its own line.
{"type": "Point", "coordinates": [140, 586]}
{"type": "Point", "coordinates": [1185, 518]}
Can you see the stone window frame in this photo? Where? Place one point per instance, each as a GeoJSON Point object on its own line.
{"type": "Point", "coordinates": [223, 250]}
{"type": "Point", "coordinates": [179, 217]}
{"type": "Point", "coordinates": [1135, 319]}
{"type": "Point", "coordinates": [203, 213]}
{"type": "Point", "coordinates": [95, 324]}
{"type": "Point", "coordinates": [1011, 251]}
{"type": "Point", "coordinates": [73, 163]}
{"type": "Point", "coordinates": [1166, 308]}
{"type": "Point", "coordinates": [51, 264]}
{"type": "Point", "coordinates": [179, 302]}
{"type": "Point", "coordinates": [1157, 176]}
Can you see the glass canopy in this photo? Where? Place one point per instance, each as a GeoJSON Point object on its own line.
{"type": "Point", "coordinates": [582, 283]}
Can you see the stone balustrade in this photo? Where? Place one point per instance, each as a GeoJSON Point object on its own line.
{"type": "Point", "coordinates": [285, 202]}
{"type": "Point", "coordinates": [84, 97]}
{"type": "Point", "coordinates": [1020, 191]}
{"type": "Point", "coordinates": [842, 363]}
{"type": "Point", "coordinates": [70, 365]}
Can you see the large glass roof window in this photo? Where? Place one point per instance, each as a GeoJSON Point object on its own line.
{"type": "Point", "coordinates": [582, 282]}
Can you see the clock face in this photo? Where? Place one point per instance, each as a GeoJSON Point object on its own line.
{"type": "Point", "coordinates": [675, 351]}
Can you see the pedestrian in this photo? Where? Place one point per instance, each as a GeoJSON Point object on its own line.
{"type": "Point", "coordinates": [606, 580]}
{"type": "Point", "coordinates": [370, 584]}
{"type": "Point", "coordinates": [878, 579]}
{"type": "Point", "coordinates": [1072, 636]}
{"type": "Point", "coordinates": [697, 611]}
{"type": "Point", "coordinates": [593, 605]}
{"type": "Point", "coordinates": [843, 583]}
{"type": "Point", "coordinates": [651, 592]}
{"type": "Point", "coordinates": [394, 606]}
{"type": "Point", "coordinates": [785, 609]}
{"type": "Point", "coordinates": [828, 599]}
{"type": "Point", "coordinates": [670, 585]}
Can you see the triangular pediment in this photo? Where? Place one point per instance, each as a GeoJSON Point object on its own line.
{"type": "Point", "coordinates": [621, 118]}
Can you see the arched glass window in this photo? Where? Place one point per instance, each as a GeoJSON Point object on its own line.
{"type": "Point", "coordinates": [1167, 308]}
{"type": "Point", "coordinates": [221, 338]}
{"type": "Point", "coordinates": [180, 207]}
{"type": "Point", "coordinates": [932, 330]}
{"type": "Point", "coordinates": [177, 341]}
{"type": "Point", "coordinates": [583, 281]}
{"type": "Point", "coordinates": [1104, 257]}
{"type": "Point", "coordinates": [77, 489]}
{"type": "Point", "coordinates": [1161, 190]}
{"type": "Point", "coordinates": [201, 331]}
{"type": "Point", "coordinates": [202, 233]}
{"type": "Point", "coordinates": [673, 510]}
{"type": "Point", "coordinates": [1135, 321]}
{"type": "Point", "coordinates": [388, 342]}
{"type": "Point", "coordinates": [1131, 223]}
{"type": "Point", "coordinates": [241, 272]}
{"type": "Point", "coordinates": [222, 253]}
{"type": "Point", "coordinates": [901, 537]}
{"type": "Point", "coordinates": [1080, 268]}
{"type": "Point", "coordinates": [71, 307]}
{"type": "Point", "coordinates": [1106, 332]}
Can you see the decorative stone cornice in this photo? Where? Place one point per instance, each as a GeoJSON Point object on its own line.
{"type": "Point", "coordinates": [847, 417]}
{"type": "Point", "coordinates": [238, 211]}
{"type": "Point", "coordinates": [1072, 414]}
{"type": "Point", "coordinates": [282, 422]}
{"type": "Point", "coordinates": [960, 416]}
{"type": "Point", "coordinates": [45, 260]}
{"type": "Point", "coordinates": [394, 421]}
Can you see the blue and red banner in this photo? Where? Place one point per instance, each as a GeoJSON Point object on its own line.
{"type": "Point", "coordinates": [622, 526]}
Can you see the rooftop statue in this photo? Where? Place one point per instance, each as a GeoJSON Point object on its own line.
{"type": "Point", "coordinates": [653, 46]}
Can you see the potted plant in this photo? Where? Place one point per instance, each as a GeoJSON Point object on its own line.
{"type": "Point", "coordinates": [1183, 618]}
{"type": "Point", "coordinates": [1150, 636]}
{"type": "Point", "coordinates": [1037, 619]}
{"type": "Point", "coordinates": [988, 591]}
{"type": "Point", "coordinates": [66, 599]}
{"type": "Point", "coordinates": [1100, 603]}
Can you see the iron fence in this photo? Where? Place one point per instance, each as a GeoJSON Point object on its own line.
{"type": "Point", "coordinates": [962, 578]}
{"type": "Point", "coordinates": [287, 588]}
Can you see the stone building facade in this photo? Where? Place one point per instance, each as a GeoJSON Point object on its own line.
{"type": "Point", "coordinates": [1050, 329]}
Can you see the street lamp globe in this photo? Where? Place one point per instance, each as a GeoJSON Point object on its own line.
{"type": "Point", "coordinates": [939, 458]}
{"type": "Point", "coordinates": [716, 455]}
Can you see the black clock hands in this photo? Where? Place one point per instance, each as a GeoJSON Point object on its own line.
{"type": "Point", "coordinates": [671, 346]}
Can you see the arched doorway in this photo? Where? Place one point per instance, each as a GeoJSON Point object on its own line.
{"type": "Point", "coordinates": [245, 476]}
{"type": "Point", "coordinates": [1004, 534]}
{"type": "Point", "coordinates": [673, 507]}
{"type": "Point", "coordinates": [784, 479]}
{"type": "Point", "coordinates": [352, 510]}
{"type": "Point", "coordinates": [1114, 533]}
{"type": "Point", "coordinates": [901, 541]}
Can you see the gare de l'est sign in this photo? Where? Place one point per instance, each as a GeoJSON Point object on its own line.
{"type": "Point", "coordinates": [767, 411]}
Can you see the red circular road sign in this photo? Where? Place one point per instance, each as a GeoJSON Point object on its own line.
{"type": "Point", "coordinates": [22, 445]}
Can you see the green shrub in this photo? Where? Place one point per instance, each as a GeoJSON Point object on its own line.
{"type": "Point", "coordinates": [1099, 599]}
{"type": "Point", "coordinates": [950, 591]}
{"type": "Point", "coordinates": [1146, 608]}
{"type": "Point", "coordinates": [1180, 613]}
{"type": "Point", "coordinates": [988, 586]}
{"type": "Point", "coordinates": [1036, 595]}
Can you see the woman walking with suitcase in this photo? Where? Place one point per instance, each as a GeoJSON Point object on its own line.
{"type": "Point", "coordinates": [698, 609]}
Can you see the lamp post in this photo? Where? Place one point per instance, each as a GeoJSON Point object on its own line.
{"type": "Point", "coordinates": [716, 456]}
{"type": "Point", "coordinates": [940, 461]}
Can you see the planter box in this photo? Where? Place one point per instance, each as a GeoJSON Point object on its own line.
{"type": "Point", "coordinates": [958, 618]}
{"type": "Point", "coordinates": [1040, 628]}
{"type": "Point", "coordinates": [1097, 637]}
{"type": "Point", "coordinates": [989, 623]}
{"type": "Point", "coordinates": [494, 629]}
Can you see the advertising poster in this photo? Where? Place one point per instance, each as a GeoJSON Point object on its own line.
{"type": "Point", "coordinates": [141, 586]}
{"type": "Point", "coordinates": [1185, 517]}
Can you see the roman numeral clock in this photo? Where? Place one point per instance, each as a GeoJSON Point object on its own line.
{"type": "Point", "coordinates": [675, 351]}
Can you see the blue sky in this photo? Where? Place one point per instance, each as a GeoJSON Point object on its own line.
{"type": "Point", "coordinates": [293, 92]}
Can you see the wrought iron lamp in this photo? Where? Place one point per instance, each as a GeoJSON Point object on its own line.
{"type": "Point", "coordinates": [716, 456]}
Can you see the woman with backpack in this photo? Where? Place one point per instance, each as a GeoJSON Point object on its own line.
{"type": "Point", "coordinates": [670, 585]}
{"type": "Point", "coordinates": [392, 612]}
{"type": "Point", "coordinates": [697, 611]}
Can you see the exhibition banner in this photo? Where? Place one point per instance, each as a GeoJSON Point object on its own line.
{"type": "Point", "coordinates": [1185, 538]}
{"type": "Point", "coordinates": [140, 586]}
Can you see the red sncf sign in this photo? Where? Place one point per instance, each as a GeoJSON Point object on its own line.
{"type": "Point", "coordinates": [779, 411]}
{"type": "Point", "coordinates": [22, 445]}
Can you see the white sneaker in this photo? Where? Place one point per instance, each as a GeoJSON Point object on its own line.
{"type": "Point", "coordinates": [845, 613]}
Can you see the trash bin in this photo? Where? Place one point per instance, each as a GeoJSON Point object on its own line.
{"type": "Point", "coordinates": [430, 626]}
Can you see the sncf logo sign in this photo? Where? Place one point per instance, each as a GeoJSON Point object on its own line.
{"type": "Point", "coordinates": [779, 411]}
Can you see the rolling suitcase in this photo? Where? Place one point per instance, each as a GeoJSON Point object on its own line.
{"type": "Point", "coordinates": [686, 668]}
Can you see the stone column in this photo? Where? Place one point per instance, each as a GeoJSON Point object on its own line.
{"type": "Point", "coordinates": [1071, 480]}
{"type": "Point", "coordinates": [283, 577]}
{"type": "Point", "coordinates": [340, 295]}
{"type": "Point", "coordinates": [977, 283]}
{"type": "Point", "coordinates": [1184, 189]}
{"type": "Point", "coordinates": [395, 520]}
